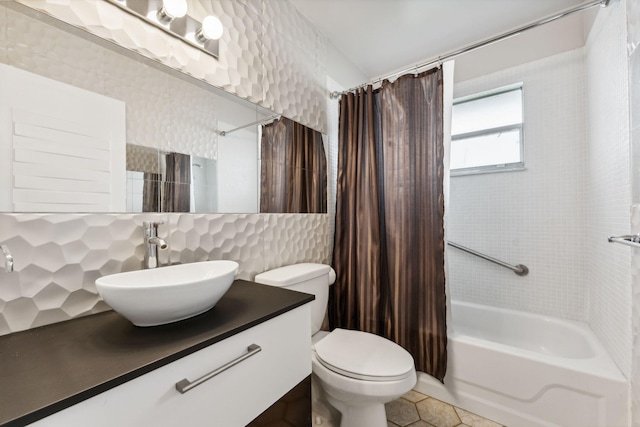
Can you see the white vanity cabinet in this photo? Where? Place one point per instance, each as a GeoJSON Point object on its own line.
{"type": "Point", "coordinates": [232, 398]}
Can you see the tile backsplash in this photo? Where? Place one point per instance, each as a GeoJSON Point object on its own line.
{"type": "Point", "coordinates": [58, 257]}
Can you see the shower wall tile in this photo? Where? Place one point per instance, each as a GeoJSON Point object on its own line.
{"type": "Point", "coordinates": [536, 217]}
{"type": "Point", "coordinates": [58, 257]}
{"type": "Point", "coordinates": [609, 183]}
{"type": "Point", "coordinates": [555, 216]}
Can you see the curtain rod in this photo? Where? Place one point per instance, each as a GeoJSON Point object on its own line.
{"type": "Point", "coordinates": [225, 132]}
{"type": "Point", "coordinates": [440, 59]}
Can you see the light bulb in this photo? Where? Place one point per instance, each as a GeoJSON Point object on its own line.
{"type": "Point", "coordinates": [211, 29]}
{"type": "Point", "coordinates": [172, 9]}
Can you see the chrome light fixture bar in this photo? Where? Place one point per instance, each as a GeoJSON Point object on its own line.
{"type": "Point", "coordinates": [171, 17]}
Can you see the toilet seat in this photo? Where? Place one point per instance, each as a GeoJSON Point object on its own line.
{"type": "Point", "coordinates": [364, 356]}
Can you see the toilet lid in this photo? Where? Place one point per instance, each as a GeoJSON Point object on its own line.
{"type": "Point", "coordinates": [362, 355]}
{"type": "Point", "coordinates": [292, 274]}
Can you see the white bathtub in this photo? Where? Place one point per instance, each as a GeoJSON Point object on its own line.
{"type": "Point", "coordinates": [524, 370]}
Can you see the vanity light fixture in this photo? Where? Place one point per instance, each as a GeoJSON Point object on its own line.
{"type": "Point", "coordinates": [211, 29]}
{"type": "Point", "coordinates": [172, 17]}
{"type": "Point", "coordinates": [171, 9]}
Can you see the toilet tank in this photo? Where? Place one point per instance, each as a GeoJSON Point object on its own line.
{"type": "Point", "coordinates": [309, 278]}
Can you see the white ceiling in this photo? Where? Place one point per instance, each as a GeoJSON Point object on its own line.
{"type": "Point", "coordinates": [384, 36]}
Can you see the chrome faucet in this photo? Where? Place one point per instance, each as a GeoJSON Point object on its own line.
{"type": "Point", "coordinates": [152, 243]}
{"type": "Point", "coordinates": [8, 258]}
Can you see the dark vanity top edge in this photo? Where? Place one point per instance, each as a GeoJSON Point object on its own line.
{"type": "Point", "coordinates": [47, 369]}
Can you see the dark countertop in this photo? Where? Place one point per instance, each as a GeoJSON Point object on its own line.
{"type": "Point", "coordinates": [44, 370]}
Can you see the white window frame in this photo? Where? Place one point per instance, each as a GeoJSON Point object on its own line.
{"type": "Point", "coordinates": [504, 167]}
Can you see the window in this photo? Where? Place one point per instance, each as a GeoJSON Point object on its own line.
{"type": "Point", "coordinates": [487, 132]}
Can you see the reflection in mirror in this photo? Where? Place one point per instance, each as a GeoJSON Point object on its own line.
{"type": "Point", "coordinates": [294, 171]}
{"type": "Point", "coordinates": [143, 176]}
{"type": "Point", "coordinates": [176, 159]}
{"type": "Point", "coordinates": [203, 179]}
{"type": "Point", "coordinates": [169, 182]}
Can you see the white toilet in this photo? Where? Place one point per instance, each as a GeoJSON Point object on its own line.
{"type": "Point", "coordinates": [358, 371]}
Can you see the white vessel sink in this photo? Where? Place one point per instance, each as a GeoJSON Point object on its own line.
{"type": "Point", "coordinates": [167, 294]}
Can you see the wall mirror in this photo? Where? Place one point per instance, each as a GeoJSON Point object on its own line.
{"type": "Point", "coordinates": [183, 145]}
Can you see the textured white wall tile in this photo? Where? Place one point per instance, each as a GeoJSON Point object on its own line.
{"type": "Point", "coordinates": [51, 53]}
{"type": "Point", "coordinates": [267, 51]}
{"type": "Point", "coordinates": [163, 111]}
{"type": "Point", "coordinates": [58, 257]}
{"type": "Point", "coordinates": [147, 95]}
{"type": "Point", "coordinates": [281, 17]}
{"type": "Point", "coordinates": [3, 35]}
{"type": "Point", "coordinates": [236, 237]}
{"type": "Point", "coordinates": [291, 239]}
{"type": "Point", "coordinates": [239, 69]}
{"type": "Point", "coordinates": [141, 159]}
{"type": "Point", "coordinates": [290, 39]}
{"type": "Point", "coordinates": [193, 117]}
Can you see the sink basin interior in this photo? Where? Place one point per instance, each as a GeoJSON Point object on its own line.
{"type": "Point", "coordinates": [167, 294]}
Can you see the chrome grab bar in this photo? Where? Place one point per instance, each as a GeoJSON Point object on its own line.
{"type": "Point", "coordinates": [520, 270]}
{"type": "Point", "coordinates": [632, 240]}
{"type": "Point", "coordinates": [185, 385]}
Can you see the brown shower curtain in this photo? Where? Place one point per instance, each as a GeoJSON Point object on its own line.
{"type": "Point", "coordinates": [294, 169]}
{"type": "Point", "coordinates": [151, 192]}
{"type": "Point", "coordinates": [177, 185]}
{"type": "Point", "coordinates": [389, 238]}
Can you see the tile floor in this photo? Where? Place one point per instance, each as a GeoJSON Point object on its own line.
{"type": "Point", "coordinates": [418, 410]}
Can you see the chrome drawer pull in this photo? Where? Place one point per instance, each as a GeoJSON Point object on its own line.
{"type": "Point", "coordinates": [185, 385]}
